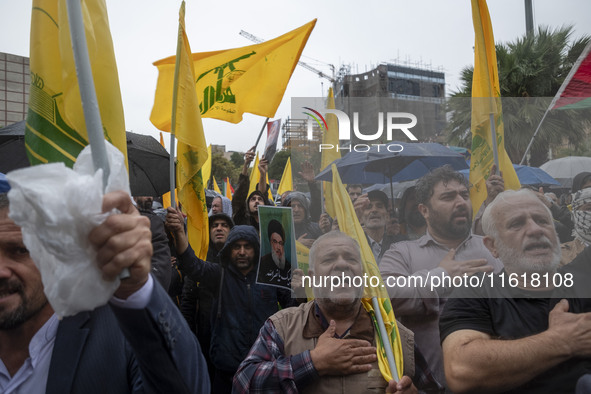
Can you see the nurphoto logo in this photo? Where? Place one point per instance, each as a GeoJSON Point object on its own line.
{"type": "Point", "coordinates": [395, 121]}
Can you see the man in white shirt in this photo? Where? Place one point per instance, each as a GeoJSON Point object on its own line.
{"type": "Point", "coordinates": [138, 343]}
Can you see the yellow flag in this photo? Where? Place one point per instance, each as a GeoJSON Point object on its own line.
{"type": "Point", "coordinates": [486, 99]}
{"type": "Point", "coordinates": [192, 149]}
{"type": "Point", "coordinates": [56, 130]}
{"type": "Point", "coordinates": [206, 169]}
{"type": "Point", "coordinates": [330, 136]}
{"type": "Point", "coordinates": [215, 186]}
{"type": "Point", "coordinates": [286, 183]}
{"type": "Point", "coordinates": [230, 82]}
{"type": "Point", "coordinates": [254, 178]}
{"type": "Point", "coordinates": [349, 224]}
{"type": "Point", "coordinates": [166, 202]}
{"type": "Point", "coordinates": [303, 256]}
{"type": "Point", "coordinates": [162, 140]}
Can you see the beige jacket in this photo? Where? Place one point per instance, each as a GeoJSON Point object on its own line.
{"type": "Point", "coordinates": [299, 328]}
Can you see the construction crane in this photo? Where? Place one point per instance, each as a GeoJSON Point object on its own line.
{"type": "Point", "coordinates": [254, 38]}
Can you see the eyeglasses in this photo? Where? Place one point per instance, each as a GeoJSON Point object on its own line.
{"type": "Point", "coordinates": [275, 242]}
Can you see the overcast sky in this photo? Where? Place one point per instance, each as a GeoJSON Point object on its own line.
{"type": "Point", "coordinates": [436, 34]}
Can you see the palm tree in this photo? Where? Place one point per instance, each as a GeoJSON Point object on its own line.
{"type": "Point", "coordinates": [531, 70]}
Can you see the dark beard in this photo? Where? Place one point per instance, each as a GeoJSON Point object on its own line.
{"type": "Point", "coordinates": [26, 310]}
{"type": "Point", "coordinates": [19, 316]}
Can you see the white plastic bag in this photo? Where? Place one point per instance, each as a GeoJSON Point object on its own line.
{"type": "Point", "coordinates": [57, 207]}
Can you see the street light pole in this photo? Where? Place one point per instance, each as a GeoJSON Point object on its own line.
{"type": "Point", "coordinates": [529, 18]}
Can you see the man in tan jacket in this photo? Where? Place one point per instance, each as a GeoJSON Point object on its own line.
{"type": "Point", "coordinates": [327, 345]}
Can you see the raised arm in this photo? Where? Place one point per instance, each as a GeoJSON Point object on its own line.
{"type": "Point", "coordinates": [168, 356]}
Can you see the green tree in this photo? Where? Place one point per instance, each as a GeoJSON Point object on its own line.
{"type": "Point", "coordinates": [222, 168]}
{"type": "Point", "coordinates": [237, 159]}
{"type": "Point", "coordinates": [531, 69]}
{"type": "Point", "coordinates": [278, 164]}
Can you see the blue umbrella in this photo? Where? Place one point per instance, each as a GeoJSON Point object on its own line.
{"type": "Point", "coordinates": [4, 186]}
{"type": "Point", "coordinates": [394, 162]}
{"type": "Point", "coordinates": [531, 176]}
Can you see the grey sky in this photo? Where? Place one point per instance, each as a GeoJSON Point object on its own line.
{"type": "Point", "coordinates": [428, 33]}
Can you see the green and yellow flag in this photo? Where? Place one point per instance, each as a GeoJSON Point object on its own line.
{"type": "Point", "coordinates": [286, 183]}
{"type": "Point", "coordinates": [486, 99]}
{"type": "Point", "coordinates": [233, 81]}
{"type": "Point", "coordinates": [330, 136]}
{"type": "Point", "coordinates": [192, 149]}
{"type": "Point", "coordinates": [55, 127]}
{"type": "Point", "coordinates": [349, 224]}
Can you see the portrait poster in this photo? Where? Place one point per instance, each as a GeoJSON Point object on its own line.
{"type": "Point", "coordinates": [278, 256]}
{"type": "Point", "coordinates": [272, 137]}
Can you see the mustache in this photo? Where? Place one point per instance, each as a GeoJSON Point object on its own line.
{"type": "Point", "coordinates": [8, 286]}
{"type": "Point", "coordinates": [542, 242]}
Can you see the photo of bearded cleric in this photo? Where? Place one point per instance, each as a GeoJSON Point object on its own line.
{"type": "Point", "coordinates": [275, 264]}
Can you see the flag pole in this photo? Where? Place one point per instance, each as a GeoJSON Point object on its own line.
{"type": "Point", "coordinates": [92, 115]}
{"type": "Point", "coordinates": [260, 133]}
{"type": "Point", "coordinates": [384, 335]}
{"type": "Point", "coordinates": [177, 67]}
{"type": "Point", "coordinates": [534, 136]}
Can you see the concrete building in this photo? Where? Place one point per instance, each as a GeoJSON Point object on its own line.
{"type": "Point", "coordinates": [14, 88]}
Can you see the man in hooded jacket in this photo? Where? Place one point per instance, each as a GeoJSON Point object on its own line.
{"type": "Point", "coordinates": [241, 306]}
{"type": "Point", "coordinates": [306, 231]}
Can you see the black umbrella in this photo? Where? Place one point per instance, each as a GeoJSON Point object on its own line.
{"type": "Point", "coordinates": [148, 160]}
{"type": "Point", "coordinates": [148, 166]}
{"type": "Point", "coordinates": [12, 147]}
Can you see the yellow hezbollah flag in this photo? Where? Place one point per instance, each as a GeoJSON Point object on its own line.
{"type": "Point", "coordinates": [233, 81]}
{"type": "Point", "coordinates": [349, 224]}
{"type": "Point", "coordinates": [192, 150]}
{"type": "Point", "coordinates": [330, 136]}
{"type": "Point", "coordinates": [486, 100]}
{"type": "Point", "coordinates": [55, 127]}
{"type": "Point", "coordinates": [255, 176]}
{"type": "Point", "coordinates": [286, 183]}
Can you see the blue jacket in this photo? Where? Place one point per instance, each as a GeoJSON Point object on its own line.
{"type": "Point", "coordinates": [241, 306]}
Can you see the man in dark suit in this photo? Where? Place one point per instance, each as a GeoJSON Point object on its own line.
{"type": "Point", "coordinates": [275, 268]}
{"type": "Point", "coordinates": [137, 343]}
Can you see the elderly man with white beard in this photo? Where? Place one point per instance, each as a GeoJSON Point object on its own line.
{"type": "Point", "coordinates": [512, 333]}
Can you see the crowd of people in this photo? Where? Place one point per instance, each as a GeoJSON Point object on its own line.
{"type": "Point", "coordinates": [182, 324]}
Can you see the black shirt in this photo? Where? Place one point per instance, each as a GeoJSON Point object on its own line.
{"type": "Point", "coordinates": [510, 313]}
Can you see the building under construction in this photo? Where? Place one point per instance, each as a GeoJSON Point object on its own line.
{"type": "Point", "coordinates": [394, 88]}
{"type": "Point", "coordinates": [387, 88]}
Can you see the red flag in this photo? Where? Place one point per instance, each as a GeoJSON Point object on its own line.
{"type": "Point", "coordinates": [575, 91]}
